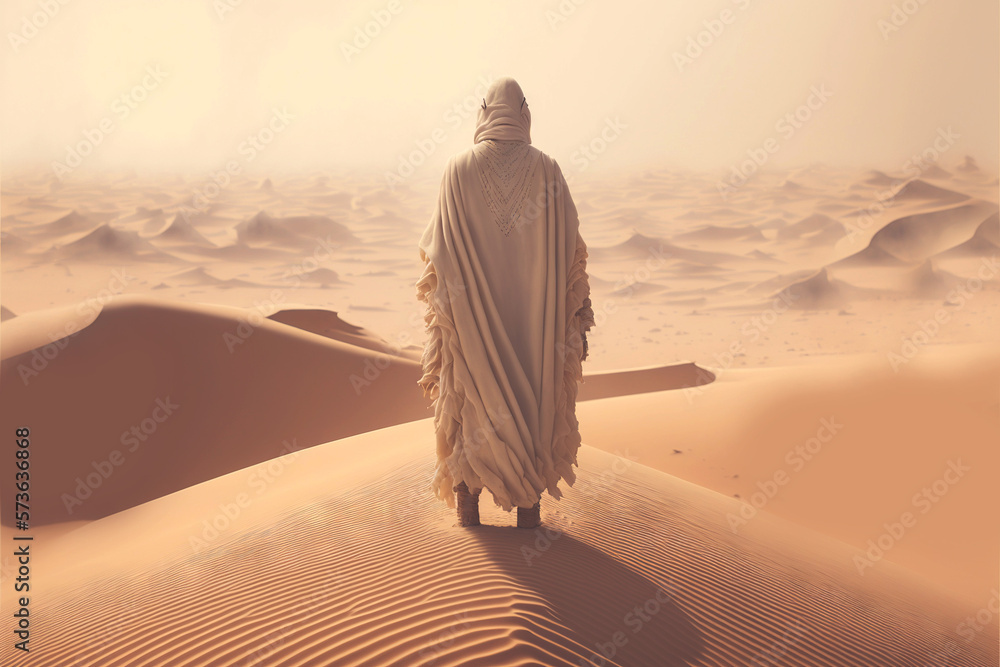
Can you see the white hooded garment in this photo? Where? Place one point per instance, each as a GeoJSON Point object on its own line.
{"type": "Point", "coordinates": [507, 297]}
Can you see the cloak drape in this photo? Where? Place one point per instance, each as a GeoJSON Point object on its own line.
{"type": "Point", "coordinates": [507, 295]}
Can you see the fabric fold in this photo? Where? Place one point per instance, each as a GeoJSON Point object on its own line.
{"type": "Point", "coordinates": [506, 309]}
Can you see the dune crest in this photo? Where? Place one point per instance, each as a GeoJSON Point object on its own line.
{"type": "Point", "coordinates": [373, 572]}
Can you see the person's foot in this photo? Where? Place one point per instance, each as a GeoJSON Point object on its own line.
{"type": "Point", "coordinates": [530, 517]}
{"type": "Point", "coordinates": [468, 506]}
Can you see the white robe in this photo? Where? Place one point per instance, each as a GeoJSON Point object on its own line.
{"type": "Point", "coordinates": [505, 316]}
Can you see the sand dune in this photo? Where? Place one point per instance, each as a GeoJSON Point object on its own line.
{"type": "Point", "coordinates": [180, 231]}
{"type": "Point", "coordinates": [329, 324]}
{"type": "Point", "coordinates": [199, 276]}
{"type": "Point", "coordinates": [638, 290]}
{"type": "Point", "coordinates": [928, 281]}
{"type": "Point", "coordinates": [244, 253]}
{"type": "Point", "coordinates": [934, 171]}
{"type": "Point", "coordinates": [321, 276]}
{"type": "Point", "coordinates": [914, 238]}
{"type": "Point", "coordinates": [762, 256]}
{"type": "Point", "coordinates": [969, 166]}
{"type": "Point", "coordinates": [816, 291]}
{"type": "Point", "coordinates": [342, 560]}
{"type": "Point", "coordinates": [919, 189]}
{"type": "Point", "coordinates": [11, 243]}
{"type": "Point", "coordinates": [870, 255]}
{"type": "Point", "coordinates": [985, 241]}
{"type": "Point", "coordinates": [702, 214]}
{"type": "Point", "coordinates": [6, 314]}
{"type": "Point", "coordinates": [878, 178]}
{"type": "Point", "coordinates": [891, 435]}
{"type": "Point", "coordinates": [641, 247]}
{"type": "Point", "coordinates": [716, 233]}
{"type": "Point", "coordinates": [340, 556]}
{"type": "Point", "coordinates": [106, 242]}
{"type": "Point", "coordinates": [297, 231]}
{"type": "Point", "coordinates": [263, 229]}
{"type": "Point", "coordinates": [142, 213]}
{"type": "Point", "coordinates": [816, 229]}
{"type": "Point", "coordinates": [73, 222]}
{"type": "Point", "coordinates": [641, 380]}
{"type": "Point", "coordinates": [690, 270]}
{"type": "Point", "coordinates": [316, 377]}
{"type": "Point", "coordinates": [220, 368]}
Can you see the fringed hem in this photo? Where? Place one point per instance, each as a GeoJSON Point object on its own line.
{"type": "Point", "coordinates": [439, 383]}
{"type": "Point", "coordinates": [431, 381]}
{"type": "Point", "coordinates": [566, 439]}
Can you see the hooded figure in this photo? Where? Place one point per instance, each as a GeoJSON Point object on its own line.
{"type": "Point", "coordinates": [508, 307]}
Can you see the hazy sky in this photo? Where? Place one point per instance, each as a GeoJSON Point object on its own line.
{"type": "Point", "coordinates": [182, 84]}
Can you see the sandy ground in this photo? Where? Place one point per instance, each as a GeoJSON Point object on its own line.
{"type": "Point", "coordinates": [790, 423]}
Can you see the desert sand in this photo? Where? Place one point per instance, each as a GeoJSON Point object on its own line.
{"type": "Point", "coordinates": [790, 424]}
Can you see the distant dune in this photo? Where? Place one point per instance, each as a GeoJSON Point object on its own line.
{"type": "Point", "coordinates": [231, 456]}
{"type": "Point", "coordinates": [641, 247]}
{"type": "Point", "coordinates": [919, 189]}
{"type": "Point", "coordinates": [985, 241]}
{"type": "Point", "coordinates": [914, 238]}
{"type": "Point", "coordinates": [181, 231]}
{"type": "Point", "coordinates": [329, 324]}
{"type": "Point", "coordinates": [199, 276]}
{"type": "Point", "coordinates": [817, 229]}
{"type": "Point", "coordinates": [108, 242]}
{"type": "Point", "coordinates": [816, 291]}
{"type": "Point", "coordinates": [716, 233]}
{"type": "Point", "coordinates": [298, 231]}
